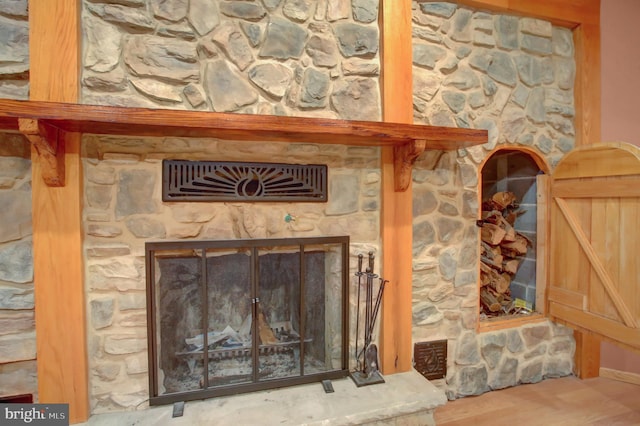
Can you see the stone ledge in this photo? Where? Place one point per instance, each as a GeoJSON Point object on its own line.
{"type": "Point", "coordinates": [406, 398]}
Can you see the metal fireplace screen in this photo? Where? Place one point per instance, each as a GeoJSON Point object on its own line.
{"type": "Point", "coordinates": [227, 317]}
{"type": "Point", "coordinates": [234, 181]}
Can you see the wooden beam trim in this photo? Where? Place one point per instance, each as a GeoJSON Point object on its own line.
{"type": "Point", "coordinates": [55, 47]}
{"type": "Point", "coordinates": [622, 376]}
{"type": "Point", "coordinates": [602, 273]}
{"type": "Point", "coordinates": [396, 327]}
{"type": "Point", "coordinates": [543, 237]}
{"type": "Point", "coordinates": [568, 297]}
{"type": "Point", "coordinates": [587, 88]}
{"type": "Point", "coordinates": [559, 12]}
{"type": "Point", "coordinates": [502, 324]}
{"type": "Point", "coordinates": [587, 356]}
{"type": "Point", "coordinates": [603, 326]}
{"type": "Point", "coordinates": [48, 142]}
{"type": "Point", "coordinates": [623, 187]}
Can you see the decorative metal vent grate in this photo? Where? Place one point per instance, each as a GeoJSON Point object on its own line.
{"type": "Point", "coordinates": [430, 359]}
{"type": "Point", "coordinates": [234, 181]}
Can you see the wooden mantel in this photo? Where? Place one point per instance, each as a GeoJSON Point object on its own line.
{"type": "Point", "coordinates": [44, 123]}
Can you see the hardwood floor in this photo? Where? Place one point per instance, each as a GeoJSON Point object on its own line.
{"type": "Point", "coordinates": [565, 401]}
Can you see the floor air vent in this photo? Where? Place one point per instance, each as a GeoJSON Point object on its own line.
{"type": "Point", "coordinates": [430, 359]}
{"type": "Point", "coordinates": [236, 181]}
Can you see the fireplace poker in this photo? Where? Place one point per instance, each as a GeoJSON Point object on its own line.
{"type": "Point", "coordinates": [369, 301]}
{"type": "Point", "coordinates": [359, 274]}
{"type": "Point", "coordinates": [378, 303]}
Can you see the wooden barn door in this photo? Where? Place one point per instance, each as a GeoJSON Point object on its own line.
{"type": "Point", "coordinates": [594, 244]}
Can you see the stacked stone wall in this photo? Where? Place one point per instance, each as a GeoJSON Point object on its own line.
{"type": "Point", "coordinates": [278, 57]}
{"type": "Point", "coordinates": [512, 76]}
{"type": "Point", "coordinates": [14, 49]}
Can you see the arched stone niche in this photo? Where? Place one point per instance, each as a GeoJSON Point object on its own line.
{"type": "Point", "coordinates": [522, 171]}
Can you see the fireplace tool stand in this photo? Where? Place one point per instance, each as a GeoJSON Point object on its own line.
{"type": "Point", "coordinates": [367, 372]}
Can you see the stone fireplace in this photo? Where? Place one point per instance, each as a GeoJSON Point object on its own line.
{"type": "Point", "coordinates": [124, 211]}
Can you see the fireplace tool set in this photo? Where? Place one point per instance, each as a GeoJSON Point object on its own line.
{"type": "Point", "coordinates": [367, 372]}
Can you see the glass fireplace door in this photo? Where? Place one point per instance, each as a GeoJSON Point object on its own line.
{"type": "Point", "coordinates": [229, 317]}
{"type": "Point", "coordinates": [237, 316]}
{"type": "Point", "coordinates": [278, 312]}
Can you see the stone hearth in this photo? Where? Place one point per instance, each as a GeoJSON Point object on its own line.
{"type": "Point", "coordinates": [406, 398]}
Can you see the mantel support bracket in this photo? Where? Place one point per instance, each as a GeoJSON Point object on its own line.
{"type": "Point", "coordinates": [48, 142]}
{"type": "Point", "coordinates": [404, 156]}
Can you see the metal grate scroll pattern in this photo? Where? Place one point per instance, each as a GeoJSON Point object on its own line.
{"type": "Point", "coordinates": [236, 181]}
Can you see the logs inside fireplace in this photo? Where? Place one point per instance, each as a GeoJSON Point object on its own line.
{"type": "Point", "coordinates": [233, 316]}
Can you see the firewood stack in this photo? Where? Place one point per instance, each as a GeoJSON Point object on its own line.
{"type": "Point", "coordinates": [501, 246]}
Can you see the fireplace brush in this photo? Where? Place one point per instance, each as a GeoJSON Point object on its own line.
{"type": "Point", "coordinates": [367, 372]}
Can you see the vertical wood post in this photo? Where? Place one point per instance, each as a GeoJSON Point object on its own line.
{"type": "Point", "coordinates": [587, 357]}
{"type": "Point", "coordinates": [586, 39]}
{"type": "Point", "coordinates": [397, 211]}
{"type": "Point", "coordinates": [54, 40]}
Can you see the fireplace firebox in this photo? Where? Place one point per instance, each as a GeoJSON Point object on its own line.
{"type": "Point", "coordinates": [234, 316]}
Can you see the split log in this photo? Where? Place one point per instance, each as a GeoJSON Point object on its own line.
{"type": "Point", "coordinates": [499, 296]}
{"type": "Point", "coordinates": [494, 264]}
{"type": "Point", "coordinates": [492, 234]}
{"type": "Point", "coordinates": [503, 199]}
{"type": "Point", "coordinates": [489, 301]}
{"type": "Point", "coordinates": [500, 201]}
{"type": "Point", "coordinates": [245, 328]}
{"type": "Point", "coordinates": [508, 228]}
{"type": "Point", "coordinates": [500, 282]}
{"type": "Point", "coordinates": [494, 279]}
{"type": "Point", "coordinates": [497, 218]}
{"type": "Point", "coordinates": [492, 252]}
{"type": "Point", "coordinates": [267, 337]}
{"type": "Point", "coordinates": [485, 274]}
{"type": "Point", "coordinates": [510, 266]}
{"type": "Point", "coordinates": [489, 215]}
{"type": "Point", "coordinates": [517, 247]}
{"type": "Point", "coordinates": [507, 265]}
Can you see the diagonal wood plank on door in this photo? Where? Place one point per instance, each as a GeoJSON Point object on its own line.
{"type": "Point", "coordinates": [596, 264]}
